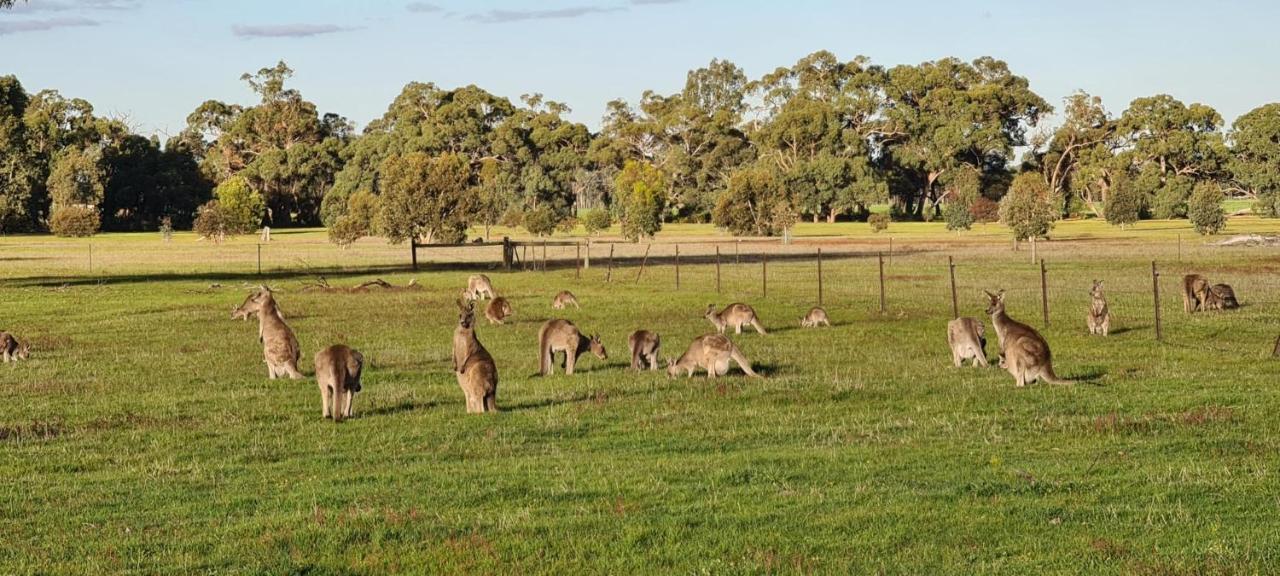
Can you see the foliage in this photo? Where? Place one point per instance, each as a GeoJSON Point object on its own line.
{"type": "Point", "coordinates": [1205, 209]}
{"type": "Point", "coordinates": [1029, 209]}
{"type": "Point", "coordinates": [596, 221]}
{"type": "Point", "coordinates": [241, 207]}
{"type": "Point", "coordinates": [425, 198]}
{"type": "Point", "coordinates": [211, 222]}
{"type": "Point", "coordinates": [640, 199]}
{"type": "Point", "coordinates": [358, 221]}
{"type": "Point", "coordinates": [1255, 157]}
{"type": "Point", "coordinates": [984, 210]}
{"type": "Point", "coordinates": [541, 220]}
{"type": "Point", "coordinates": [1124, 204]}
{"type": "Point", "coordinates": [76, 178]}
{"type": "Point", "coordinates": [957, 215]}
{"type": "Point", "coordinates": [75, 220]}
{"type": "Point", "coordinates": [756, 203]}
{"type": "Point", "coordinates": [879, 221]}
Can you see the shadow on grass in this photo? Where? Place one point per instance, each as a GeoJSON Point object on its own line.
{"type": "Point", "coordinates": [1089, 375]}
{"type": "Point", "coordinates": [399, 407]}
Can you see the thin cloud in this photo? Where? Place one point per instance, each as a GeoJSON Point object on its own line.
{"type": "Point", "coordinates": [422, 7]}
{"type": "Point", "coordinates": [287, 30]}
{"type": "Point", "coordinates": [17, 26]}
{"type": "Point", "coordinates": [655, 2]}
{"type": "Point", "coordinates": [505, 16]}
{"type": "Point", "coordinates": [72, 5]}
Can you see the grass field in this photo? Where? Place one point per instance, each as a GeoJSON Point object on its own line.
{"type": "Point", "coordinates": [144, 437]}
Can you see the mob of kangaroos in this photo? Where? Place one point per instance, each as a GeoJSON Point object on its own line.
{"type": "Point", "coordinates": [1024, 351]}
{"type": "Point", "coordinates": [279, 345]}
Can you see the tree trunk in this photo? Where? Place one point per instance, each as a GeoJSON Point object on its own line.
{"type": "Point", "coordinates": [1033, 249]}
{"type": "Point", "coordinates": [831, 216]}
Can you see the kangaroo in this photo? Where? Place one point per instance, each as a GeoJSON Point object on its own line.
{"type": "Point", "coordinates": [712, 353]}
{"type": "Point", "coordinates": [478, 286]}
{"type": "Point", "coordinates": [735, 315]}
{"type": "Point", "coordinates": [644, 349]}
{"type": "Point", "coordinates": [564, 299]}
{"type": "Point", "coordinates": [1194, 290]}
{"type": "Point", "coordinates": [968, 340]}
{"type": "Point", "coordinates": [1026, 353]}
{"type": "Point", "coordinates": [1099, 316]}
{"type": "Point", "coordinates": [338, 369]}
{"type": "Point", "coordinates": [815, 318]}
{"type": "Point", "coordinates": [279, 345]}
{"type": "Point", "coordinates": [473, 365]}
{"type": "Point", "coordinates": [563, 336]}
{"type": "Point", "coordinates": [498, 310]}
{"type": "Point", "coordinates": [13, 350]}
{"type": "Point", "coordinates": [1220, 297]}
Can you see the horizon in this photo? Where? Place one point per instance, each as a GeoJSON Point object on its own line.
{"type": "Point", "coordinates": [352, 60]}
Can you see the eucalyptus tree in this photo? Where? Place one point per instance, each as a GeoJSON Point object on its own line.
{"type": "Point", "coordinates": [1075, 159]}
{"type": "Point", "coordinates": [19, 175]}
{"type": "Point", "coordinates": [1255, 157]}
{"type": "Point", "coordinates": [1171, 147]}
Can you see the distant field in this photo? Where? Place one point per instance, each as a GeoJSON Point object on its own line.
{"type": "Point", "coordinates": [144, 437]}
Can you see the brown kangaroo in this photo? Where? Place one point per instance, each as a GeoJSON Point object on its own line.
{"type": "Point", "coordinates": [1220, 297]}
{"type": "Point", "coordinates": [1026, 353]}
{"type": "Point", "coordinates": [1099, 317]}
{"type": "Point", "coordinates": [1194, 292]}
{"type": "Point", "coordinates": [564, 299]}
{"type": "Point", "coordinates": [498, 310]}
{"type": "Point", "coordinates": [712, 353]}
{"type": "Point", "coordinates": [473, 365]}
{"type": "Point", "coordinates": [338, 369]}
{"type": "Point", "coordinates": [562, 336]}
{"type": "Point", "coordinates": [279, 345]}
{"type": "Point", "coordinates": [735, 315]}
{"type": "Point", "coordinates": [816, 317]}
{"type": "Point", "coordinates": [12, 350]}
{"type": "Point", "coordinates": [478, 287]}
{"type": "Point", "coordinates": [968, 340]}
{"type": "Point", "coordinates": [644, 349]}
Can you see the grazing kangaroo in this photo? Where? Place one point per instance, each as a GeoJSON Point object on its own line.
{"type": "Point", "coordinates": [735, 315]}
{"type": "Point", "coordinates": [644, 349]}
{"type": "Point", "coordinates": [1026, 353]}
{"type": "Point", "coordinates": [13, 350]}
{"type": "Point", "coordinates": [815, 318]}
{"type": "Point", "coordinates": [1099, 317]}
{"type": "Point", "coordinates": [563, 336]}
{"type": "Point", "coordinates": [563, 300]}
{"type": "Point", "coordinates": [338, 369]}
{"type": "Point", "coordinates": [473, 365]}
{"type": "Point", "coordinates": [1220, 297]}
{"type": "Point", "coordinates": [279, 345]}
{"type": "Point", "coordinates": [1194, 290]}
{"type": "Point", "coordinates": [712, 353]}
{"type": "Point", "coordinates": [968, 340]}
{"type": "Point", "coordinates": [498, 310]}
{"type": "Point", "coordinates": [478, 287]}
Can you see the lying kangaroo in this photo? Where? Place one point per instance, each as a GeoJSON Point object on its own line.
{"type": "Point", "coordinates": [498, 310]}
{"type": "Point", "coordinates": [1220, 297]}
{"type": "Point", "coordinates": [562, 336]}
{"type": "Point", "coordinates": [712, 353]}
{"type": "Point", "coordinates": [735, 315]}
{"type": "Point", "coordinates": [564, 299]}
{"type": "Point", "coordinates": [1194, 290]}
{"type": "Point", "coordinates": [644, 349]}
{"type": "Point", "coordinates": [338, 369]}
{"type": "Point", "coordinates": [478, 286]}
{"type": "Point", "coordinates": [968, 340]}
{"type": "Point", "coordinates": [1026, 353]}
{"type": "Point", "coordinates": [816, 317]}
{"type": "Point", "coordinates": [13, 350]}
{"type": "Point", "coordinates": [279, 345]}
{"type": "Point", "coordinates": [473, 365]}
{"type": "Point", "coordinates": [1099, 316]}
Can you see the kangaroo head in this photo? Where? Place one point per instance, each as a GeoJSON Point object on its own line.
{"type": "Point", "coordinates": [1000, 360]}
{"type": "Point", "coordinates": [24, 351]}
{"type": "Point", "coordinates": [356, 366]}
{"type": "Point", "coordinates": [597, 348]}
{"type": "Point", "coordinates": [711, 311]}
{"type": "Point", "coordinates": [254, 302]}
{"type": "Point", "coordinates": [466, 313]}
{"type": "Point", "coordinates": [1096, 291]}
{"type": "Point", "coordinates": [995, 304]}
{"type": "Point", "coordinates": [671, 368]}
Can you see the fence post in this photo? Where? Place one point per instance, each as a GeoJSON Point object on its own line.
{"type": "Point", "coordinates": [891, 250]}
{"type": "Point", "coordinates": [577, 260]}
{"type": "Point", "coordinates": [1155, 293]}
{"type": "Point", "coordinates": [413, 250]}
{"type": "Point", "coordinates": [881, 258]}
{"type": "Point", "coordinates": [1044, 292]}
{"type": "Point", "coordinates": [819, 276]}
{"type": "Point", "coordinates": [544, 255]}
{"type": "Point", "coordinates": [737, 253]}
{"type": "Point", "coordinates": [524, 256]}
{"type": "Point", "coordinates": [677, 266]}
{"type": "Point", "coordinates": [507, 252]}
{"type": "Point", "coordinates": [643, 261]}
{"type": "Point", "coordinates": [717, 268]}
{"type": "Point", "coordinates": [764, 274]}
{"type": "Point", "coordinates": [1179, 247]}
{"type": "Point", "coordinates": [90, 257]}
{"type": "Point", "coordinates": [955, 305]}
{"type": "Point", "coordinates": [259, 259]}
{"type": "Point", "coordinates": [608, 274]}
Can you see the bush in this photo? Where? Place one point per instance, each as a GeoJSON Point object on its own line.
{"type": "Point", "coordinates": [541, 221]}
{"type": "Point", "coordinates": [596, 221]}
{"type": "Point", "coordinates": [242, 208]}
{"type": "Point", "coordinates": [347, 230]}
{"type": "Point", "coordinates": [878, 222]}
{"type": "Point", "coordinates": [568, 225]}
{"type": "Point", "coordinates": [755, 203]}
{"type": "Point", "coordinates": [1029, 208]}
{"type": "Point", "coordinates": [958, 216]}
{"type": "Point", "coordinates": [1170, 200]}
{"type": "Point", "coordinates": [211, 222]}
{"type": "Point", "coordinates": [1124, 204]}
{"type": "Point", "coordinates": [639, 189]}
{"type": "Point", "coordinates": [75, 221]}
{"type": "Point", "coordinates": [984, 210]}
{"type": "Point", "coordinates": [1205, 209]}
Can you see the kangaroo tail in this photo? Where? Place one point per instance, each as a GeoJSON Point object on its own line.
{"type": "Point", "coordinates": [743, 363]}
{"type": "Point", "coordinates": [1052, 378]}
{"type": "Point", "coordinates": [755, 322]}
{"type": "Point", "coordinates": [544, 352]}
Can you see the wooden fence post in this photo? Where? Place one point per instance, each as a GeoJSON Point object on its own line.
{"type": "Point", "coordinates": [90, 257]}
{"type": "Point", "coordinates": [819, 276]}
{"type": "Point", "coordinates": [508, 253]}
{"type": "Point", "coordinates": [259, 259]}
{"type": "Point", "coordinates": [955, 305]}
{"type": "Point", "coordinates": [643, 261]}
{"type": "Point", "coordinates": [737, 253]}
{"type": "Point", "coordinates": [677, 266]}
{"type": "Point", "coordinates": [544, 255]}
{"type": "Point", "coordinates": [577, 261]}
{"type": "Point", "coordinates": [881, 258]}
{"type": "Point", "coordinates": [1044, 292]}
{"type": "Point", "coordinates": [717, 268]}
{"type": "Point", "coordinates": [608, 274]}
{"type": "Point", "coordinates": [413, 250]}
{"type": "Point", "coordinates": [1155, 293]}
{"type": "Point", "coordinates": [891, 250]}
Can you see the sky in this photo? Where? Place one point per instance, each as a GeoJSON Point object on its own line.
{"type": "Point", "coordinates": [151, 62]}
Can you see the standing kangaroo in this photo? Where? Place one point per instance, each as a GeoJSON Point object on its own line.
{"type": "Point", "coordinates": [968, 340]}
{"type": "Point", "coordinates": [12, 350]}
{"type": "Point", "coordinates": [644, 349]}
{"type": "Point", "coordinates": [1194, 292]}
{"type": "Point", "coordinates": [563, 300]}
{"type": "Point", "coordinates": [735, 315]}
{"type": "Point", "coordinates": [1026, 353]}
{"type": "Point", "coordinates": [1099, 316]}
{"type": "Point", "coordinates": [1220, 297]}
{"type": "Point", "coordinates": [712, 353]}
{"type": "Point", "coordinates": [562, 336]}
{"type": "Point", "coordinates": [279, 345]}
{"type": "Point", "coordinates": [338, 369]}
{"type": "Point", "coordinates": [498, 310]}
{"type": "Point", "coordinates": [478, 286]}
{"type": "Point", "coordinates": [816, 317]}
{"type": "Point", "coordinates": [473, 365]}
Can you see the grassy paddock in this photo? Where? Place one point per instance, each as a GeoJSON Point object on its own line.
{"type": "Point", "coordinates": [144, 436]}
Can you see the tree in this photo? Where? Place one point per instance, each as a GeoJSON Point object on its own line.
{"type": "Point", "coordinates": [75, 221]}
{"type": "Point", "coordinates": [241, 207]}
{"type": "Point", "coordinates": [425, 198]}
{"type": "Point", "coordinates": [958, 216]}
{"type": "Point", "coordinates": [76, 178]}
{"type": "Point", "coordinates": [1066, 157]}
{"type": "Point", "coordinates": [358, 221]}
{"type": "Point", "coordinates": [1205, 209]}
{"type": "Point", "coordinates": [1255, 157]}
{"type": "Point", "coordinates": [641, 199]}
{"type": "Point", "coordinates": [541, 220]}
{"type": "Point", "coordinates": [19, 176]}
{"type": "Point", "coordinates": [596, 221]}
{"type": "Point", "coordinates": [756, 203]}
{"type": "Point", "coordinates": [1029, 209]}
{"type": "Point", "coordinates": [1171, 147]}
{"type": "Point", "coordinates": [1125, 203]}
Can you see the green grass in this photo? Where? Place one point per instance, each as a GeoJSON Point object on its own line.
{"type": "Point", "coordinates": [143, 436]}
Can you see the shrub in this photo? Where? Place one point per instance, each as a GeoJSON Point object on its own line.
{"type": "Point", "coordinates": [755, 203]}
{"type": "Point", "coordinates": [75, 221]}
{"type": "Point", "coordinates": [541, 220]}
{"type": "Point", "coordinates": [878, 222]}
{"type": "Point", "coordinates": [1029, 208]}
{"type": "Point", "coordinates": [242, 208]}
{"type": "Point", "coordinates": [1205, 209]}
{"type": "Point", "coordinates": [1124, 203]}
{"type": "Point", "coordinates": [596, 221]}
{"type": "Point", "coordinates": [568, 225]}
{"type": "Point", "coordinates": [1170, 200]}
{"type": "Point", "coordinates": [211, 222]}
{"type": "Point", "coordinates": [958, 216]}
{"type": "Point", "coordinates": [984, 210]}
{"type": "Point", "coordinates": [347, 230]}
{"type": "Point", "coordinates": [640, 190]}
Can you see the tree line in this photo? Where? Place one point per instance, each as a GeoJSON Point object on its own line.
{"type": "Point", "coordinates": [823, 139]}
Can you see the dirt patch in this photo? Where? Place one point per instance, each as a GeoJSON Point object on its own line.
{"type": "Point", "coordinates": [34, 431]}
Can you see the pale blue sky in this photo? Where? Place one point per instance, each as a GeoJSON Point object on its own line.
{"type": "Point", "coordinates": [156, 60]}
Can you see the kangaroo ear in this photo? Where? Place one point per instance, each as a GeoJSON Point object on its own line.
{"type": "Point", "coordinates": [1000, 295]}
{"type": "Point", "coordinates": [989, 294]}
